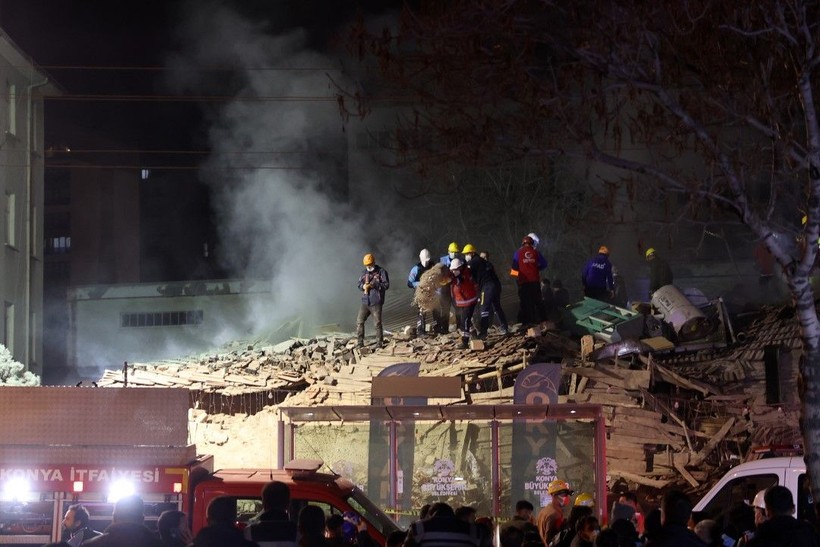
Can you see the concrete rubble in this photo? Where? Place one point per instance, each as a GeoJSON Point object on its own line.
{"type": "Point", "coordinates": [674, 417]}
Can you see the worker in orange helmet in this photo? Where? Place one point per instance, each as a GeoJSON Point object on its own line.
{"type": "Point", "coordinates": [373, 282]}
{"type": "Point", "coordinates": [527, 263]}
{"type": "Point", "coordinates": [597, 277]}
{"type": "Point", "coordinates": [551, 517]}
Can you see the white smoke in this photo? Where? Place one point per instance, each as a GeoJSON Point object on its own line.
{"type": "Point", "coordinates": [279, 169]}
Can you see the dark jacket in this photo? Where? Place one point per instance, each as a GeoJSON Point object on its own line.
{"type": "Point", "coordinates": [378, 281]}
{"type": "Point", "coordinates": [87, 534]}
{"type": "Point", "coordinates": [784, 531]}
{"type": "Point", "coordinates": [221, 535]}
{"type": "Point", "coordinates": [273, 528]}
{"type": "Point", "coordinates": [450, 531]}
{"type": "Point", "coordinates": [126, 534]}
{"type": "Point", "coordinates": [483, 272]}
{"type": "Point", "coordinates": [659, 274]}
{"type": "Point", "coordinates": [675, 535]}
{"type": "Point", "coordinates": [598, 273]}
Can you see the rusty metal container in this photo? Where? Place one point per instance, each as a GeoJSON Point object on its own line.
{"type": "Point", "coordinates": [688, 322]}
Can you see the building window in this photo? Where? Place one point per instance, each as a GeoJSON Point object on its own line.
{"type": "Point", "coordinates": [57, 245]}
{"type": "Point", "coordinates": [145, 173]}
{"type": "Point", "coordinates": [11, 93]}
{"type": "Point", "coordinates": [162, 319]}
{"type": "Point", "coordinates": [11, 220]}
{"type": "Point", "coordinates": [8, 334]}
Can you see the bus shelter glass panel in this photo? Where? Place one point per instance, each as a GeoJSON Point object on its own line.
{"type": "Point", "coordinates": [357, 451]}
{"type": "Point", "coordinates": [452, 462]}
{"type": "Point", "coordinates": [535, 452]}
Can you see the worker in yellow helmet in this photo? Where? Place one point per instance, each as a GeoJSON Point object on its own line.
{"type": "Point", "coordinates": [441, 316]}
{"type": "Point", "coordinates": [659, 272]}
{"type": "Point", "coordinates": [373, 283]}
{"type": "Point", "coordinates": [551, 517]}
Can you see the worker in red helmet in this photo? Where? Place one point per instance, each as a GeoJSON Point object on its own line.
{"type": "Point", "coordinates": [527, 263]}
{"type": "Point", "coordinates": [596, 277]}
{"type": "Point", "coordinates": [373, 282]}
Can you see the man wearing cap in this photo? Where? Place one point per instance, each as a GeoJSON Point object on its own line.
{"type": "Point", "coordinates": [551, 517]}
{"type": "Point", "coordinates": [373, 282]}
{"type": "Point", "coordinates": [597, 277]}
{"type": "Point", "coordinates": [527, 263]}
{"type": "Point", "coordinates": [660, 274]}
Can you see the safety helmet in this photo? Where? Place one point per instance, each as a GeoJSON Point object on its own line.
{"type": "Point", "coordinates": [453, 247]}
{"type": "Point", "coordinates": [650, 251]}
{"type": "Point", "coordinates": [368, 260]}
{"type": "Point", "coordinates": [585, 499]}
{"type": "Point", "coordinates": [456, 264]}
{"type": "Point", "coordinates": [759, 502]}
{"type": "Point", "coordinates": [558, 487]}
{"type": "Point", "coordinates": [469, 248]}
{"type": "Point", "coordinates": [603, 250]}
{"type": "Point", "coordinates": [424, 255]}
{"type": "Point", "coordinates": [804, 220]}
{"type": "Point", "coordinates": [527, 241]}
{"type": "Point", "coordinates": [535, 239]}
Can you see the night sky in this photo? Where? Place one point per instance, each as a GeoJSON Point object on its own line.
{"type": "Point", "coordinates": [98, 48]}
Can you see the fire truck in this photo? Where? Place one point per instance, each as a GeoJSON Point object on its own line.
{"type": "Point", "coordinates": [66, 445]}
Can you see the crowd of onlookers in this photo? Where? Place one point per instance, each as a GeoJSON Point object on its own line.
{"type": "Point", "coordinates": [560, 523]}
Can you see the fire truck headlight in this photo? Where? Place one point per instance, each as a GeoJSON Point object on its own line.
{"type": "Point", "coordinates": [119, 490]}
{"type": "Point", "coordinates": [17, 489]}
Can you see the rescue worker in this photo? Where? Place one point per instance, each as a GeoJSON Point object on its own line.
{"type": "Point", "coordinates": [274, 527]}
{"type": "Point", "coordinates": [659, 272]}
{"type": "Point", "coordinates": [527, 262]}
{"type": "Point", "coordinates": [77, 527]}
{"type": "Point", "coordinates": [442, 315]}
{"type": "Point", "coordinates": [551, 517]}
{"type": "Point", "coordinates": [373, 282]}
{"type": "Point", "coordinates": [425, 263]}
{"type": "Point", "coordinates": [489, 290]}
{"type": "Point", "coordinates": [759, 506]}
{"type": "Point", "coordinates": [675, 511]}
{"type": "Point", "coordinates": [465, 295]}
{"type": "Point", "coordinates": [596, 277]}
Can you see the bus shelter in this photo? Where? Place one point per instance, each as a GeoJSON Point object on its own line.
{"type": "Point", "coordinates": [485, 456]}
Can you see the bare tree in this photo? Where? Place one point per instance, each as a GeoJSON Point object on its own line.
{"type": "Point", "coordinates": [713, 100]}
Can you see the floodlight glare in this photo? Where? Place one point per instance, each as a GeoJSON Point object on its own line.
{"type": "Point", "coordinates": [119, 490]}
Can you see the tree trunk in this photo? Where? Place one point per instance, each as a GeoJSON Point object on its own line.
{"type": "Point", "coordinates": [809, 376]}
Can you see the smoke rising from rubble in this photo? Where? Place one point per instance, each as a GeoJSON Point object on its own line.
{"type": "Point", "coordinates": [279, 169]}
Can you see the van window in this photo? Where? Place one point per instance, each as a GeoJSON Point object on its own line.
{"type": "Point", "coordinates": [736, 492]}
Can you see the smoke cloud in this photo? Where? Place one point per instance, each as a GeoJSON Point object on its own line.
{"type": "Point", "coordinates": [279, 169]}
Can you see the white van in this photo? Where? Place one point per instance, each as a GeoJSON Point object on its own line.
{"type": "Point", "coordinates": [741, 483]}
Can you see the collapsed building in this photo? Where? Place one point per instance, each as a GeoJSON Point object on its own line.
{"type": "Point", "coordinates": [686, 393]}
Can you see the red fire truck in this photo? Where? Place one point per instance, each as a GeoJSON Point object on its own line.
{"type": "Point", "coordinates": [60, 446]}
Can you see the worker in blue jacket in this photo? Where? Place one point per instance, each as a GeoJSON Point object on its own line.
{"type": "Point", "coordinates": [597, 276]}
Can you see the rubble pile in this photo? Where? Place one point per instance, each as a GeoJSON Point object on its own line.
{"type": "Point", "coordinates": [673, 417]}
